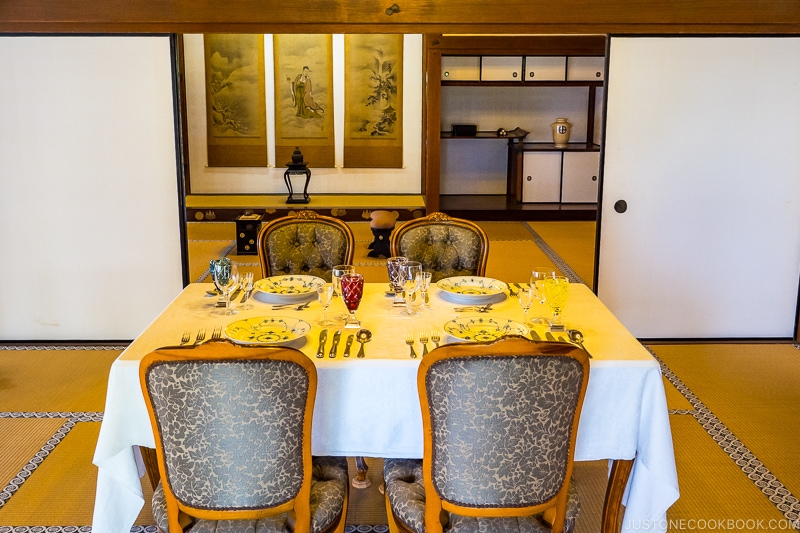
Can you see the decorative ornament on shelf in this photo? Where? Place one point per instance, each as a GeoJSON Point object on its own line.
{"type": "Point", "coordinates": [561, 130]}
{"type": "Point", "coordinates": [296, 176]}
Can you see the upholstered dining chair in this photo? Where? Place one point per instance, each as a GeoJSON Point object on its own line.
{"type": "Point", "coordinates": [444, 245]}
{"type": "Point", "coordinates": [499, 423]}
{"type": "Point", "coordinates": [304, 243]}
{"type": "Point", "coordinates": [232, 427]}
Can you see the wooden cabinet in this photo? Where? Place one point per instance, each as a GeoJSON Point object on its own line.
{"type": "Point", "coordinates": [522, 83]}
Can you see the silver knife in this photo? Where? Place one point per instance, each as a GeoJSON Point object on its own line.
{"type": "Point", "coordinates": [347, 345]}
{"type": "Point", "coordinates": [549, 336]}
{"type": "Point", "coordinates": [535, 336]}
{"type": "Point", "coordinates": [322, 338]}
{"type": "Point", "coordinates": [335, 344]}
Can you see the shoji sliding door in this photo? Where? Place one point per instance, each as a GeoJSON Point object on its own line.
{"type": "Point", "coordinates": [700, 213]}
{"type": "Point", "coordinates": [90, 245]}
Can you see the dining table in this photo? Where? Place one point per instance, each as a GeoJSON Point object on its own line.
{"type": "Point", "coordinates": [369, 406]}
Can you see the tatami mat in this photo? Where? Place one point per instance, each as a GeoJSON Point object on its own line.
{"type": "Point", "coordinates": [21, 439]}
{"type": "Point", "coordinates": [713, 489]}
{"type": "Point", "coordinates": [366, 506]}
{"type": "Point", "coordinates": [54, 380]}
{"type": "Point", "coordinates": [753, 389]}
{"type": "Point", "coordinates": [574, 242]}
{"type": "Point", "coordinates": [61, 490]}
{"type": "Point", "coordinates": [591, 479]}
{"type": "Point", "coordinates": [513, 260]}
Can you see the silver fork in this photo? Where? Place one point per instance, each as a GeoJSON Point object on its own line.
{"type": "Point", "coordinates": [423, 339]}
{"type": "Point", "coordinates": [410, 342]}
{"type": "Point", "coordinates": [186, 336]}
{"type": "Point", "coordinates": [216, 334]}
{"type": "Point", "coordinates": [436, 336]}
{"type": "Point", "coordinates": [200, 336]}
{"type": "Point", "coordinates": [511, 291]}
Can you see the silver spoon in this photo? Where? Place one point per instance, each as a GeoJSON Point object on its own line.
{"type": "Point", "coordinates": [577, 337]}
{"type": "Point", "coordinates": [362, 336]}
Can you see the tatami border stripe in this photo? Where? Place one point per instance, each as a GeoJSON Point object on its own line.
{"type": "Point", "coordinates": [31, 347]}
{"type": "Point", "coordinates": [551, 254]}
{"type": "Point", "coordinates": [786, 502]}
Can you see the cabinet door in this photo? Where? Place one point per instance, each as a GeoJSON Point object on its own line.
{"type": "Point", "coordinates": [579, 183]}
{"type": "Point", "coordinates": [586, 68]}
{"type": "Point", "coordinates": [541, 177]}
{"type": "Point", "coordinates": [461, 68]}
{"type": "Point", "coordinates": [501, 68]}
{"type": "Point", "coordinates": [548, 68]}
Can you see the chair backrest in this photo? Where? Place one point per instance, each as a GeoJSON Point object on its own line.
{"type": "Point", "coordinates": [304, 243]}
{"type": "Point", "coordinates": [500, 421]}
{"type": "Point", "coordinates": [232, 427]}
{"type": "Point", "coordinates": [445, 246]}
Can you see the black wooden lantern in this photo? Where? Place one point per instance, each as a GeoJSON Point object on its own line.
{"type": "Point", "coordinates": [296, 176]}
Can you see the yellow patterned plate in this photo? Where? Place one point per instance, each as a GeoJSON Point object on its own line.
{"type": "Point", "coordinates": [472, 289]}
{"type": "Point", "coordinates": [480, 329]}
{"type": "Point", "coordinates": [267, 330]}
{"type": "Point", "coordinates": [287, 289]}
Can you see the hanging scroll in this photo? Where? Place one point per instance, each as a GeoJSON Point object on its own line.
{"type": "Point", "coordinates": [304, 99]}
{"type": "Point", "coordinates": [373, 135]}
{"type": "Point", "coordinates": [235, 100]}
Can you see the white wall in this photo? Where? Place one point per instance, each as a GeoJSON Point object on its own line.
{"type": "Point", "coordinates": [269, 180]}
{"type": "Point", "coordinates": [89, 220]}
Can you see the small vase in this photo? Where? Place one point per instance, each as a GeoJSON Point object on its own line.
{"type": "Point", "coordinates": [561, 130]}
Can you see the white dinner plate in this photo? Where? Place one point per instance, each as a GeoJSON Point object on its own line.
{"type": "Point", "coordinates": [273, 330]}
{"type": "Point", "coordinates": [472, 290]}
{"type": "Point", "coordinates": [482, 329]}
{"type": "Point", "coordinates": [292, 288]}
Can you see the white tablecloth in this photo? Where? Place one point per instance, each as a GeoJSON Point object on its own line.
{"type": "Point", "coordinates": [369, 407]}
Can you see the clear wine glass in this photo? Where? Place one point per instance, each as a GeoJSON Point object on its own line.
{"type": "Point", "coordinates": [226, 278]}
{"type": "Point", "coordinates": [325, 295]}
{"type": "Point", "coordinates": [424, 287]}
{"type": "Point", "coordinates": [246, 283]}
{"type": "Point", "coordinates": [526, 298]}
{"type": "Point", "coordinates": [336, 274]}
{"type": "Point", "coordinates": [410, 275]}
{"type": "Point", "coordinates": [538, 275]}
{"type": "Point", "coordinates": [352, 291]}
{"type": "Point", "coordinates": [556, 290]}
{"type": "Point", "coordinates": [393, 265]}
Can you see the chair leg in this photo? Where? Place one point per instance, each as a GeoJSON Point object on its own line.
{"type": "Point", "coordinates": [612, 506]}
{"type": "Point", "coordinates": [150, 460]}
{"type": "Point", "coordinates": [361, 481]}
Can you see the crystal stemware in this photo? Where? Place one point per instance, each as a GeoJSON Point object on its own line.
{"type": "Point", "coordinates": [393, 265]}
{"type": "Point", "coordinates": [525, 297]}
{"type": "Point", "coordinates": [424, 287]}
{"type": "Point", "coordinates": [538, 275]}
{"type": "Point", "coordinates": [325, 295]}
{"type": "Point", "coordinates": [352, 291]}
{"type": "Point", "coordinates": [246, 283]}
{"type": "Point", "coordinates": [226, 277]}
{"type": "Point", "coordinates": [410, 274]}
{"type": "Point", "coordinates": [556, 290]}
{"type": "Point", "coordinates": [336, 275]}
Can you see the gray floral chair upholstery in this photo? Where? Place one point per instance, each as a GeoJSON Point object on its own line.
{"type": "Point", "coordinates": [445, 246]}
{"type": "Point", "coordinates": [500, 421]}
{"type": "Point", "coordinates": [305, 243]}
{"type": "Point", "coordinates": [232, 427]}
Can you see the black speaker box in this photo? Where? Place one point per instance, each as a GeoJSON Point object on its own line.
{"type": "Point", "coordinates": [464, 130]}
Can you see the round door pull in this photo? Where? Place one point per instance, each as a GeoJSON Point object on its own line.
{"type": "Point", "coordinates": [514, 74]}
{"type": "Point", "coordinates": [529, 178]}
{"type": "Point", "coordinates": [594, 178]}
{"type": "Point", "coordinates": [620, 206]}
